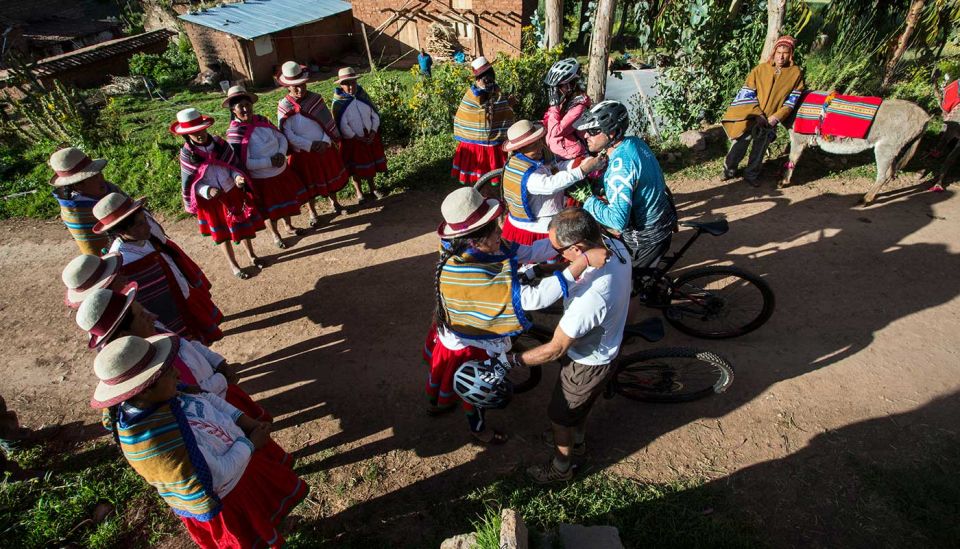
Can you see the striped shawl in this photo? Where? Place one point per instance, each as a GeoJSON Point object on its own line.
{"type": "Point", "coordinates": [342, 100]}
{"type": "Point", "coordinates": [483, 117]}
{"type": "Point", "coordinates": [194, 161]}
{"type": "Point", "coordinates": [515, 175]}
{"type": "Point", "coordinates": [313, 107]}
{"type": "Point", "coordinates": [238, 136]}
{"type": "Point", "coordinates": [76, 211]}
{"type": "Point", "coordinates": [481, 295]}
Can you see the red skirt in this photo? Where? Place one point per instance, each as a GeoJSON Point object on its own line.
{"type": "Point", "coordinates": [243, 402]}
{"type": "Point", "coordinates": [252, 511]}
{"type": "Point", "coordinates": [202, 317]}
{"type": "Point", "coordinates": [443, 364]}
{"type": "Point", "coordinates": [363, 160]}
{"type": "Point", "coordinates": [471, 161]}
{"type": "Point", "coordinates": [512, 233]}
{"type": "Point", "coordinates": [229, 216]}
{"type": "Point", "coordinates": [322, 173]}
{"type": "Point", "coordinates": [279, 196]}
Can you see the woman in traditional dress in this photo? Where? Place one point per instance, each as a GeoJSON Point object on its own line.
{"type": "Point", "coordinates": [359, 124]}
{"type": "Point", "coordinates": [480, 125]}
{"type": "Point", "coordinates": [171, 284]}
{"type": "Point", "coordinates": [261, 151]}
{"type": "Point", "coordinates": [216, 191]}
{"type": "Point", "coordinates": [479, 298]}
{"type": "Point", "coordinates": [216, 467]}
{"type": "Point", "coordinates": [78, 184]}
{"type": "Point", "coordinates": [86, 273]}
{"type": "Point", "coordinates": [312, 133]}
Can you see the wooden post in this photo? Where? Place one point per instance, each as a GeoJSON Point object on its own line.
{"type": "Point", "coordinates": [554, 9]}
{"type": "Point", "coordinates": [363, 31]}
{"type": "Point", "coordinates": [600, 50]}
{"type": "Point", "coordinates": [913, 16]}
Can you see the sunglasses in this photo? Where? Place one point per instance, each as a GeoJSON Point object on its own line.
{"type": "Point", "coordinates": [593, 131]}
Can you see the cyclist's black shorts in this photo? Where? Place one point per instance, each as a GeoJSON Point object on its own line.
{"type": "Point", "coordinates": [643, 252]}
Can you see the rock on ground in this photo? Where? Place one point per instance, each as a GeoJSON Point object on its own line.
{"type": "Point", "coordinates": [693, 140]}
{"type": "Point", "coordinates": [463, 541]}
{"type": "Point", "coordinates": [513, 532]}
{"type": "Point", "coordinates": [574, 536]}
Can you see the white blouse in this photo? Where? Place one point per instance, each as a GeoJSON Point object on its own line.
{"type": "Point", "coordinates": [356, 118]}
{"type": "Point", "coordinates": [215, 177]}
{"type": "Point", "coordinates": [264, 143]}
{"type": "Point", "coordinates": [202, 369]}
{"type": "Point", "coordinates": [301, 132]}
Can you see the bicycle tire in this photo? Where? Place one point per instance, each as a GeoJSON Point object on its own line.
{"type": "Point", "coordinates": [645, 376]}
{"type": "Point", "coordinates": [525, 379]}
{"type": "Point", "coordinates": [692, 321]}
{"type": "Point", "coordinates": [485, 185]}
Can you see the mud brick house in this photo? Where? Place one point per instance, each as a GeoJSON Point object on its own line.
{"type": "Point", "coordinates": [254, 37]}
{"type": "Point", "coordinates": [482, 27]}
{"type": "Point", "coordinates": [38, 29]}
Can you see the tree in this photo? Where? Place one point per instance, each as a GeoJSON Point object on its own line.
{"type": "Point", "coordinates": [600, 50]}
{"type": "Point", "coordinates": [913, 16]}
{"type": "Point", "coordinates": [776, 13]}
{"type": "Point", "coordinates": [554, 9]}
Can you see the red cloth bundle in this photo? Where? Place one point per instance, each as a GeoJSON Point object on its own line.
{"type": "Point", "coordinates": [850, 116]}
{"type": "Point", "coordinates": [951, 97]}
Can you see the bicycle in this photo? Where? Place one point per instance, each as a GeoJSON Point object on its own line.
{"type": "Point", "coordinates": [714, 302]}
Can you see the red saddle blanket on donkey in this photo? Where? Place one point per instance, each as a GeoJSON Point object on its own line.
{"type": "Point", "coordinates": [832, 115]}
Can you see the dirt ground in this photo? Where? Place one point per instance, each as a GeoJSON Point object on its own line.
{"type": "Point", "coordinates": [860, 358]}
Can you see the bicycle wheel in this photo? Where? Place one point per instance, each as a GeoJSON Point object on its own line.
{"type": "Point", "coordinates": [489, 185]}
{"type": "Point", "coordinates": [719, 302]}
{"type": "Point", "coordinates": [525, 379]}
{"type": "Point", "coordinates": [671, 375]}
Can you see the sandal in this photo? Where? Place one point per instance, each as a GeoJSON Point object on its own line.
{"type": "Point", "coordinates": [259, 262]}
{"type": "Point", "coordinates": [241, 274]}
{"type": "Point", "coordinates": [547, 473]}
{"type": "Point", "coordinates": [379, 195]}
{"type": "Point", "coordinates": [362, 199]}
{"type": "Point", "coordinates": [278, 242]}
{"type": "Point", "coordinates": [337, 209]}
{"type": "Point", "coordinates": [497, 439]}
{"type": "Point", "coordinates": [298, 231]}
{"type": "Point", "coordinates": [314, 222]}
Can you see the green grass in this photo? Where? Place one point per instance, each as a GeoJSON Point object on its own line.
{"type": "Point", "coordinates": [487, 527]}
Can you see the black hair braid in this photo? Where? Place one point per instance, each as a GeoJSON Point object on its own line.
{"type": "Point", "coordinates": [113, 414]}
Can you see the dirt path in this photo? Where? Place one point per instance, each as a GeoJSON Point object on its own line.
{"type": "Point", "coordinates": [330, 334]}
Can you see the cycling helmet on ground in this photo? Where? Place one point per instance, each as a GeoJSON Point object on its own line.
{"type": "Point", "coordinates": [483, 384]}
{"type": "Point", "coordinates": [561, 72]}
{"type": "Point", "coordinates": [610, 117]}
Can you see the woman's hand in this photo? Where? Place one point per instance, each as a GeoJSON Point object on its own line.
{"type": "Point", "coordinates": [278, 160]}
{"type": "Point", "coordinates": [259, 435]}
{"type": "Point", "coordinates": [229, 372]}
{"type": "Point", "coordinates": [214, 192]}
{"type": "Point", "coordinates": [240, 181]}
{"type": "Point", "coordinates": [318, 146]}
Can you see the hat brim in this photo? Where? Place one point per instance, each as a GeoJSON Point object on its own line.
{"type": "Point", "coordinates": [100, 228]}
{"type": "Point", "coordinates": [251, 96]}
{"type": "Point", "coordinates": [292, 81]}
{"type": "Point", "coordinates": [130, 291]}
{"type": "Point", "coordinates": [347, 78]}
{"type": "Point", "coordinates": [482, 69]}
{"type": "Point", "coordinates": [496, 208]}
{"type": "Point", "coordinates": [205, 123]}
{"type": "Point", "coordinates": [95, 167]}
{"type": "Point", "coordinates": [113, 263]}
{"type": "Point", "coordinates": [167, 346]}
{"type": "Point", "coordinates": [510, 146]}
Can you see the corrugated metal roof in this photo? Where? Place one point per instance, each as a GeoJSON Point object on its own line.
{"type": "Point", "coordinates": [254, 18]}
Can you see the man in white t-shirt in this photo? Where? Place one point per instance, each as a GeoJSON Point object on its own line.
{"type": "Point", "coordinates": [589, 334]}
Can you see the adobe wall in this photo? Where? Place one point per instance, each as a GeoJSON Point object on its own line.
{"type": "Point", "coordinates": [212, 46]}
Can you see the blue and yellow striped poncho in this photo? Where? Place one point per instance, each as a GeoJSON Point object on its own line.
{"type": "Point", "coordinates": [482, 117]}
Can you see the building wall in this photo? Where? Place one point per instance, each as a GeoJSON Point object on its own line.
{"type": "Point", "coordinates": [212, 47]}
{"type": "Point", "coordinates": [485, 27]}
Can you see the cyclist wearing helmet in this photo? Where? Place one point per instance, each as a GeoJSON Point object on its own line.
{"type": "Point", "coordinates": [480, 301]}
{"type": "Point", "coordinates": [638, 204]}
{"type": "Point", "coordinates": [568, 101]}
{"type": "Point", "coordinates": [480, 125]}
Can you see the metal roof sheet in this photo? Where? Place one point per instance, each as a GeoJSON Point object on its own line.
{"type": "Point", "coordinates": [253, 18]}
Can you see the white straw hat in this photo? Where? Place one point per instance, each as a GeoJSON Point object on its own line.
{"type": "Point", "coordinates": [114, 208]}
{"type": "Point", "coordinates": [238, 91]}
{"type": "Point", "coordinates": [346, 73]}
{"type": "Point", "coordinates": [480, 65]}
{"type": "Point", "coordinates": [71, 165]}
{"type": "Point", "coordinates": [190, 121]}
{"type": "Point", "coordinates": [86, 273]}
{"type": "Point", "coordinates": [465, 210]}
{"type": "Point", "coordinates": [101, 312]}
{"type": "Point", "coordinates": [129, 365]}
{"type": "Point", "coordinates": [293, 73]}
{"type": "Point", "coordinates": [523, 133]}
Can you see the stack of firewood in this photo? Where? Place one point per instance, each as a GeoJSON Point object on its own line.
{"type": "Point", "coordinates": [443, 42]}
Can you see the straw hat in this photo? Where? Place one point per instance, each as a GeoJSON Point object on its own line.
{"type": "Point", "coordinates": [129, 365]}
{"type": "Point", "coordinates": [102, 310]}
{"type": "Point", "coordinates": [293, 73]}
{"type": "Point", "coordinates": [114, 208]}
{"type": "Point", "coordinates": [71, 165]}
{"type": "Point", "coordinates": [190, 121]}
{"type": "Point", "coordinates": [346, 73]}
{"type": "Point", "coordinates": [480, 65]}
{"type": "Point", "coordinates": [238, 91]}
{"type": "Point", "coordinates": [86, 273]}
{"type": "Point", "coordinates": [465, 210]}
{"type": "Point", "coordinates": [523, 133]}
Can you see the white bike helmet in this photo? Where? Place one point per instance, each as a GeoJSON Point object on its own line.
{"type": "Point", "coordinates": [561, 72]}
{"type": "Point", "coordinates": [483, 384]}
{"type": "Point", "coordinates": [610, 117]}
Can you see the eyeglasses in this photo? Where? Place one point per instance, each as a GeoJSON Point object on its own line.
{"type": "Point", "coordinates": [593, 131]}
{"type": "Point", "coordinates": [561, 251]}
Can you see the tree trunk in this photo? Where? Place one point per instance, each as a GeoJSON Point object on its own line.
{"type": "Point", "coordinates": [624, 5]}
{"type": "Point", "coordinates": [600, 50]}
{"type": "Point", "coordinates": [554, 9]}
{"type": "Point", "coordinates": [913, 16]}
{"type": "Point", "coordinates": [583, 36]}
{"type": "Point", "coordinates": [734, 8]}
{"type": "Point", "coordinates": [776, 13]}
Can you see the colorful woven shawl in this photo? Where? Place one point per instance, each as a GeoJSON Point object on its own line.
{"type": "Point", "coordinates": [342, 100]}
{"type": "Point", "coordinates": [160, 446]}
{"type": "Point", "coordinates": [481, 294]}
{"type": "Point", "coordinates": [483, 117]}
{"type": "Point", "coordinates": [515, 175]}
{"type": "Point", "coordinates": [313, 107]}
{"type": "Point", "coordinates": [238, 136]}
{"type": "Point", "coordinates": [76, 211]}
{"type": "Point", "coordinates": [192, 171]}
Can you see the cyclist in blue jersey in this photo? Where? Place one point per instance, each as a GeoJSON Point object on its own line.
{"type": "Point", "coordinates": [638, 204]}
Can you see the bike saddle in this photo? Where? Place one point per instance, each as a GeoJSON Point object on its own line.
{"type": "Point", "coordinates": [715, 228]}
{"type": "Point", "coordinates": [650, 329]}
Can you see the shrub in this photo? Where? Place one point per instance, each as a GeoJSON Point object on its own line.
{"type": "Point", "coordinates": [390, 96]}
{"type": "Point", "coordinates": [174, 67]}
{"type": "Point", "coordinates": [434, 101]}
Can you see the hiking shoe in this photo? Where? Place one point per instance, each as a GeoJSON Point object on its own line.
{"type": "Point", "coordinates": [547, 473]}
{"type": "Point", "coordinates": [579, 448]}
{"type": "Point", "coordinates": [728, 174]}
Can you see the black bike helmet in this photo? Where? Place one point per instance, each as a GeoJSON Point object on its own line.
{"type": "Point", "coordinates": [610, 117]}
{"type": "Point", "coordinates": [483, 384]}
{"type": "Point", "coordinates": [563, 71]}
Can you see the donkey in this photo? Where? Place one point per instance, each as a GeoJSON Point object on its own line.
{"type": "Point", "coordinates": [894, 137]}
